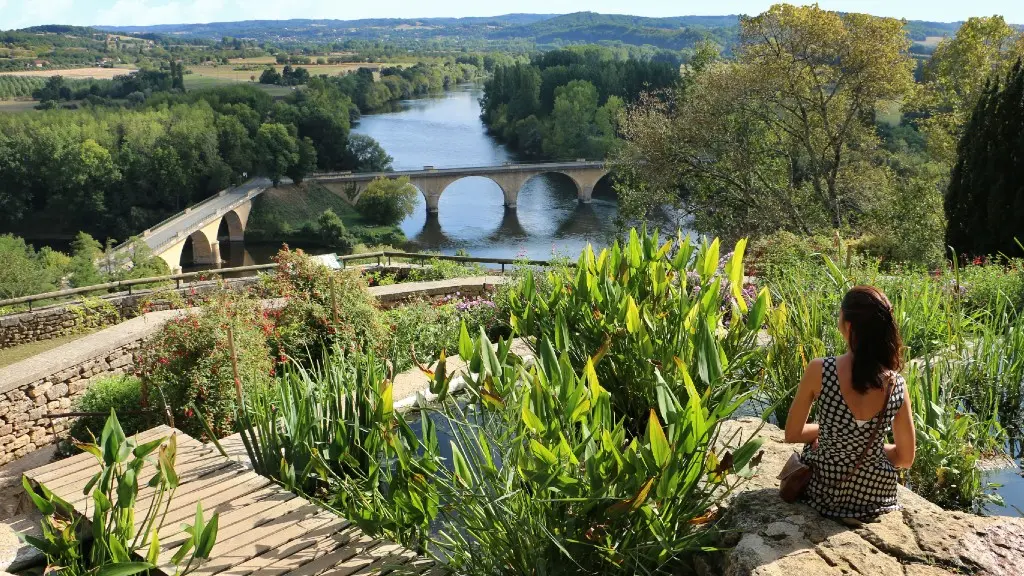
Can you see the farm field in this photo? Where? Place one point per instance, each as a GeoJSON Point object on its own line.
{"type": "Point", "coordinates": [228, 71]}
{"type": "Point", "coordinates": [101, 73]}
{"type": "Point", "coordinates": [199, 82]}
{"type": "Point", "coordinates": [17, 105]}
{"type": "Point", "coordinates": [930, 41]}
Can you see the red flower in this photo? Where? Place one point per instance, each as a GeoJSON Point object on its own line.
{"type": "Point", "coordinates": [977, 261]}
{"type": "Point", "coordinates": [164, 361]}
{"type": "Point", "coordinates": [189, 413]}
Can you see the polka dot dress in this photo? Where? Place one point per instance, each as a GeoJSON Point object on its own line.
{"type": "Point", "coordinates": [872, 489]}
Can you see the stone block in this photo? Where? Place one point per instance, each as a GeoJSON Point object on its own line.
{"type": "Point", "coordinates": [39, 389]}
{"type": "Point", "coordinates": [36, 413]}
{"type": "Point", "coordinates": [58, 391]}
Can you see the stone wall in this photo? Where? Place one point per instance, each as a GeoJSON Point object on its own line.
{"type": "Point", "coordinates": [25, 422]}
{"type": "Point", "coordinates": [64, 319]}
{"type": "Point", "coordinates": [32, 389]}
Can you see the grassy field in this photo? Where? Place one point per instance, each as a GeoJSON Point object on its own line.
{"type": "Point", "coordinates": [285, 210]}
{"type": "Point", "coordinates": [9, 356]}
{"type": "Point", "coordinates": [197, 82]}
{"type": "Point", "coordinates": [930, 41]}
{"type": "Point", "coordinates": [228, 72]}
{"type": "Point", "coordinates": [17, 105]}
{"type": "Point", "coordinates": [101, 73]}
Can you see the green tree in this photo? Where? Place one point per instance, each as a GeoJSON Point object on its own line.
{"type": "Point", "coordinates": [387, 201]}
{"type": "Point", "coordinates": [85, 252]}
{"type": "Point", "coordinates": [277, 150]}
{"type": "Point", "coordinates": [270, 76]}
{"type": "Point", "coordinates": [779, 138]}
{"type": "Point", "coordinates": [986, 192]}
{"type": "Point", "coordinates": [333, 232]}
{"type": "Point", "coordinates": [955, 77]}
{"type": "Point", "coordinates": [306, 163]}
{"type": "Point", "coordinates": [572, 120]}
{"type": "Point", "coordinates": [367, 155]}
{"type": "Point", "coordinates": [20, 271]}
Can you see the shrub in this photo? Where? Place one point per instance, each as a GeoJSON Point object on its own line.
{"type": "Point", "coordinates": [439, 269]}
{"type": "Point", "coordinates": [387, 201]}
{"type": "Point", "coordinates": [986, 283]}
{"type": "Point", "coordinates": [333, 232]}
{"type": "Point", "coordinates": [115, 535]}
{"type": "Point", "coordinates": [945, 469]}
{"type": "Point", "coordinates": [547, 478]}
{"type": "Point", "coordinates": [332, 432]}
{"type": "Point", "coordinates": [187, 364]}
{"type": "Point", "coordinates": [649, 307]}
{"type": "Point", "coordinates": [323, 308]}
{"type": "Point", "coordinates": [120, 394]}
{"type": "Point", "coordinates": [432, 327]}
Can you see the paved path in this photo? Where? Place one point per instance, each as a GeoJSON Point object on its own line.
{"type": "Point", "coordinates": [264, 530]}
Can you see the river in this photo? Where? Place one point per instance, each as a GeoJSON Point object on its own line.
{"type": "Point", "coordinates": [446, 132]}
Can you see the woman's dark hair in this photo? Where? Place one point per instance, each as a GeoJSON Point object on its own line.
{"type": "Point", "coordinates": [874, 337]}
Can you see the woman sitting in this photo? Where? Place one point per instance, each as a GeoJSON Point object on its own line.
{"type": "Point", "coordinates": [860, 396]}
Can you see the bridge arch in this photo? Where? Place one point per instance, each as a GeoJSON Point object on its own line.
{"type": "Point", "coordinates": [234, 226]}
{"type": "Point", "coordinates": [559, 175]}
{"type": "Point", "coordinates": [198, 249]}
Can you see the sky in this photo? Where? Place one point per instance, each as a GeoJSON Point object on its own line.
{"type": "Point", "coordinates": [23, 13]}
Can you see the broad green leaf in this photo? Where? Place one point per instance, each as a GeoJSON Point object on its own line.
{"type": "Point", "coordinates": [530, 419]}
{"type": "Point", "coordinates": [744, 453]}
{"type": "Point", "coordinates": [143, 450]}
{"type": "Point", "coordinates": [709, 261]}
{"type": "Point", "coordinates": [761, 306]}
{"type": "Point", "coordinates": [545, 455]}
{"type": "Point", "coordinates": [462, 471]}
{"type": "Point", "coordinates": [632, 316]}
{"type": "Point", "coordinates": [659, 443]}
{"type": "Point", "coordinates": [735, 271]}
{"type": "Point", "coordinates": [45, 507]}
{"type": "Point", "coordinates": [124, 568]}
{"type": "Point", "coordinates": [153, 555]}
{"type": "Point", "coordinates": [465, 343]}
{"type": "Point", "coordinates": [208, 538]}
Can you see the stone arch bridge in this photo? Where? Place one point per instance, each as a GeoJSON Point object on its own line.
{"type": "Point", "coordinates": [224, 216]}
{"type": "Point", "coordinates": [433, 182]}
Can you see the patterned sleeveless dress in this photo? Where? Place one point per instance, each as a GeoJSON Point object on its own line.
{"type": "Point", "coordinates": [872, 489]}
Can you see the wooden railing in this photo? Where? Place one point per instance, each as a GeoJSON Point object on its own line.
{"type": "Point", "coordinates": [382, 257]}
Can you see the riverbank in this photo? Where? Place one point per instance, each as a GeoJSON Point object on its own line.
{"type": "Point", "coordinates": [289, 213]}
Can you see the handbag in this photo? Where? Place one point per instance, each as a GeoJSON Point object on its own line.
{"type": "Point", "coordinates": [796, 474]}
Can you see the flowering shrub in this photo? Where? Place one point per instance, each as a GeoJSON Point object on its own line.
{"type": "Point", "coordinates": [188, 362]}
{"type": "Point", "coordinates": [323, 308]}
{"type": "Point", "coordinates": [430, 327]}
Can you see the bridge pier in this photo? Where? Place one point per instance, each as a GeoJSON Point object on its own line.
{"type": "Point", "coordinates": [211, 256]}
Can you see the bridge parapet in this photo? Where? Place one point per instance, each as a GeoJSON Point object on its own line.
{"type": "Point", "coordinates": [432, 182]}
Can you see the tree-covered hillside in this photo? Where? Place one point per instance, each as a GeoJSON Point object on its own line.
{"type": "Point", "coordinates": [531, 30]}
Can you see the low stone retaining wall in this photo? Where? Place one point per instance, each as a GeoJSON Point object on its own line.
{"type": "Point", "coordinates": [34, 388]}
{"type": "Point", "coordinates": [64, 319]}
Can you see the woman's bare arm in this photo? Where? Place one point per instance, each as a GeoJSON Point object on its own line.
{"type": "Point", "coordinates": [797, 428]}
{"type": "Point", "coordinates": [902, 453]}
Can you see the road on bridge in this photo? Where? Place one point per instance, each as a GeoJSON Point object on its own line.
{"type": "Point", "coordinates": [199, 215]}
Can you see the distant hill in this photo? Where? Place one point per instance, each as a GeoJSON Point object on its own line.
{"type": "Point", "coordinates": [541, 30]}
